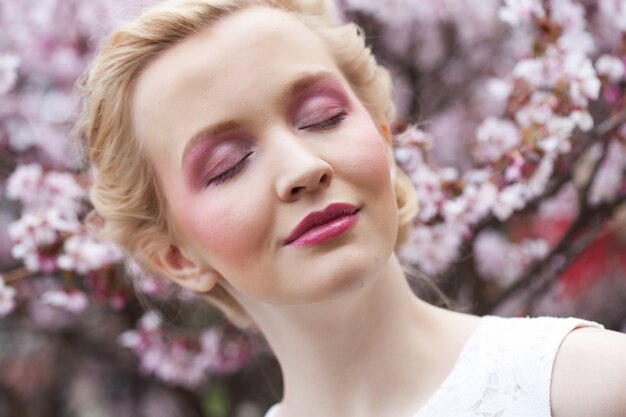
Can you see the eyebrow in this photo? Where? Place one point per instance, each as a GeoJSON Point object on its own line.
{"type": "Point", "coordinates": [300, 83]}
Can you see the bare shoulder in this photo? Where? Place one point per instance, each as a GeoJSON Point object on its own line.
{"type": "Point", "coordinates": [589, 374]}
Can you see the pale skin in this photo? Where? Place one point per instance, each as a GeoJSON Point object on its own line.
{"type": "Point", "coordinates": [351, 338]}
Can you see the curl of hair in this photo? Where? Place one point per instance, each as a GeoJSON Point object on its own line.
{"type": "Point", "coordinates": [125, 192]}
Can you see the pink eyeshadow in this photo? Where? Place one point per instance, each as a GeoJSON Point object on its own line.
{"type": "Point", "coordinates": [327, 87]}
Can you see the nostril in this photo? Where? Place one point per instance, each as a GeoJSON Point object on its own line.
{"type": "Point", "coordinates": [296, 190]}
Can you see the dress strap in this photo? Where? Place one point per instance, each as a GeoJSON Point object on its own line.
{"type": "Point", "coordinates": [506, 371]}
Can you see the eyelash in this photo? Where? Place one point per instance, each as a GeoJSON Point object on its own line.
{"type": "Point", "coordinates": [325, 124]}
{"type": "Point", "coordinates": [230, 173]}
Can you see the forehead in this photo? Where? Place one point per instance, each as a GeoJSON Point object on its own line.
{"type": "Point", "coordinates": [229, 71]}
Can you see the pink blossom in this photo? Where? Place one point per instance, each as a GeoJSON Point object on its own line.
{"type": "Point", "coordinates": [155, 286]}
{"type": "Point", "coordinates": [582, 120]}
{"type": "Point", "coordinates": [38, 235]}
{"type": "Point", "coordinates": [495, 137]}
{"type": "Point", "coordinates": [531, 70]}
{"type": "Point", "coordinates": [577, 41]}
{"type": "Point", "coordinates": [471, 206]}
{"type": "Point", "coordinates": [433, 248]}
{"type": "Point", "coordinates": [429, 193]}
{"type": "Point", "coordinates": [7, 298]}
{"type": "Point", "coordinates": [610, 178]}
{"type": "Point", "coordinates": [571, 19]}
{"type": "Point", "coordinates": [149, 284]}
{"type": "Point", "coordinates": [227, 356]}
{"type": "Point", "coordinates": [498, 91]}
{"type": "Point", "coordinates": [74, 301]}
{"type": "Point", "coordinates": [559, 65]}
{"type": "Point", "coordinates": [510, 199]}
{"type": "Point", "coordinates": [36, 189]}
{"type": "Point", "coordinates": [500, 260]}
{"type": "Point", "coordinates": [179, 360]}
{"type": "Point", "coordinates": [615, 12]}
{"type": "Point", "coordinates": [414, 136]}
{"type": "Point", "coordinates": [539, 110]}
{"type": "Point", "coordinates": [611, 67]}
{"type": "Point", "coordinates": [568, 14]}
{"type": "Point", "coordinates": [25, 183]}
{"type": "Point", "coordinates": [513, 171]}
{"type": "Point", "coordinates": [8, 71]}
{"type": "Point", "coordinates": [536, 185]}
{"type": "Point", "coordinates": [84, 254]}
{"type": "Point", "coordinates": [584, 83]}
{"type": "Point", "coordinates": [516, 12]}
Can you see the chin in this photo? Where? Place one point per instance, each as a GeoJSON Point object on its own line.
{"type": "Point", "coordinates": [352, 269]}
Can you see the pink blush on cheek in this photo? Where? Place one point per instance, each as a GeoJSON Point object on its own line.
{"type": "Point", "coordinates": [368, 149]}
{"type": "Point", "coordinates": [226, 233]}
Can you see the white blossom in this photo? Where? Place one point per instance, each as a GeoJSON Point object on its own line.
{"type": "Point", "coordinates": [74, 301]}
{"type": "Point", "coordinates": [36, 189]}
{"type": "Point", "coordinates": [615, 12]}
{"type": "Point", "coordinates": [36, 232]}
{"type": "Point", "coordinates": [583, 81]}
{"type": "Point", "coordinates": [538, 182]}
{"type": "Point", "coordinates": [502, 261]}
{"type": "Point", "coordinates": [495, 137]}
{"type": "Point", "coordinates": [611, 67]}
{"type": "Point", "coordinates": [25, 183]}
{"type": "Point", "coordinates": [84, 254]}
{"type": "Point", "coordinates": [509, 199]}
{"type": "Point", "coordinates": [433, 248]}
{"type": "Point", "coordinates": [8, 71]}
{"type": "Point", "coordinates": [516, 12]}
{"type": "Point", "coordinates": [610, 177]}
{"type": "Point", "coordinates": [7, 298]}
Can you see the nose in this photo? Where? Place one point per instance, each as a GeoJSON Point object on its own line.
{"type": "Point", "coordinates": [300, 170]}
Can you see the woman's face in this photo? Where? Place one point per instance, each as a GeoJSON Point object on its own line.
{"type": "Point", "coordinates": [251, 127]}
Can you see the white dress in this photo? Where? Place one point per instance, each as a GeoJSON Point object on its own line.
{"type": "Point", "coordinates": [504, 369]}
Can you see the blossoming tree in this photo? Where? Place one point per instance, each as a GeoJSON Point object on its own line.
{"type": "Point", "coordinates": [512, 126]}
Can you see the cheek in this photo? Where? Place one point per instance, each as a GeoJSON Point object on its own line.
{"type": "Point", "coordinates": [368, 153]}
{"type": "Point", "coordinates": [222, 232]}
{"type": "Point", "coordinates": [370, 170]}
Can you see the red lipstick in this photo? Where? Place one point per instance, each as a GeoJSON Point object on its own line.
{"type": "Point", "coordinates": [321, 226]}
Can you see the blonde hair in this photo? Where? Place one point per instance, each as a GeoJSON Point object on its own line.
{"type": "Point", "coordinates": [125, 193]}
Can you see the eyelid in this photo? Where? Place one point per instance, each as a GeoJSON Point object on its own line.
{"type": "Point", "coordinates": [307, 117]}
{"type": "Point", "coordinates": [327, 122]}
{"type": "Point", "coordinates": [231, 172]}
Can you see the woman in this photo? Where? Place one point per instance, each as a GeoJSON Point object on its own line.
{"type": "Point", "coordinates": [243, 150]}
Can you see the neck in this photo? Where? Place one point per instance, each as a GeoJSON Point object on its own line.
{"type": "Point", "coordinates": [342, 357]}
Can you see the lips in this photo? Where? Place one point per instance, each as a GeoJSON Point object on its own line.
{"type": "Point", "coordinates": [320, 226]}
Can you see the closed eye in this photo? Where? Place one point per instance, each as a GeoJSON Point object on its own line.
{"type": "Point", "coordinates": [325, 124]}
{"type": "Point", "coordinates": [231, 172]}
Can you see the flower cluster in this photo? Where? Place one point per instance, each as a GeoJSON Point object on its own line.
{"type": "Point", "coordinates": [65, 273]}
{"type": "Point", "coordinates": [184, 360]}
{"type": "Point", "coordinates": [49, 235]}
{"type": "Point", "coordinates": [500, 260]}
{"type": "Point", "coordinates": [523, 143]}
